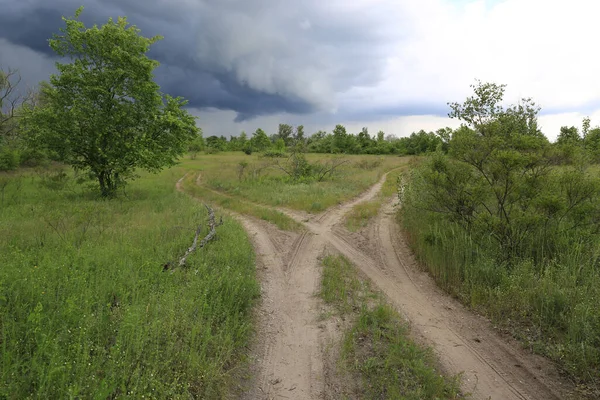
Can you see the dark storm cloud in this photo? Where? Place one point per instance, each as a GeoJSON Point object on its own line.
{"type": "Point", "coordinates": [255, 57]}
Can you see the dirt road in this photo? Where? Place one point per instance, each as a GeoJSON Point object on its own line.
{"type": "Point", "coordinates": [289, 357]}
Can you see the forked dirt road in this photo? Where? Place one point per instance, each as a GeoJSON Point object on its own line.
{"type": "Point", "coordinates": [290, 353]}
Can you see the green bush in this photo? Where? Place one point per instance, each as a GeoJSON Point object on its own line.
{"type": "Point", "coordinates": [9, 159]}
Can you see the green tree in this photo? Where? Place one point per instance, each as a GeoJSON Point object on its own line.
{"type": "Point", "coordinates": [285, 132]}
{"type": "Point", "coordinates": [495, 181]}
{"type": "Point", "coordinates": [104, 113]}
{"type": "Point", "coordinates": [340, 139]}
{"type": "Point", "coordinates": [568, 135]}
{"type": "Point", "coordinates": [260, 140]}
{"type": "Point", "coordinates": [592, 144]}
{"type": "Point", "coordinates": [364, 139]}
{"type": "Point", "coordinates": [243, 139]}
{"type": "Point", "coordinates": [196, 145]}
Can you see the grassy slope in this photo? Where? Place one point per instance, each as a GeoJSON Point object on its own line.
{"type": "Point", "coordinates": [261, 183]}
{"type": "Point", "coordinates": [85, 309]}
{"type": "Point", "coordinates": [377, 353]}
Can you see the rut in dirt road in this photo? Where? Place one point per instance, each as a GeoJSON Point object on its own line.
{"type": "Point", "coordinates": [290, 359]}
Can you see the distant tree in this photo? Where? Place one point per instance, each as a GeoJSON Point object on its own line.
{"type": "Point", "coordinates": [216, 143]}
{"type": "Point", "coordinates": [364, 140]}
{"type": "Point", "coordinates": [196, 145]}
{"type": "Point", "coordinates": [568, 135]}
{"type": "Point", "coordinates": [585, 126]}
{"type": "Point", "coordinates": [279, 146]}
{"type": "Point", "coordinates": [260, 140]}
{"type": "Point", "coordinates": [285, 132]}
{"type": "Point", "coordinates": [12, 98]}
{"type": "Point", "coordinates": [104, 113]}
{"type": "Point", "coordinates": [592, 144]}
{"type": "Point", "coordinates": [320, 142]}
{"type": "Point", "coordinates": [380, 136]}
{"type": "Point", "coordinates": [299, 135]}
{"type": "Point", "coordinates": [243, 138]}
{"type": "Point", "coordinates": [340, 139]}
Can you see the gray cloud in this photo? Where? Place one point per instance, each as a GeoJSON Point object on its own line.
{"type": "Point", "coordinates": [254, 57]}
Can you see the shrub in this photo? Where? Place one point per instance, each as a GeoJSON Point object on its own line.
{"type": "Point", "coordinates": [9, 159]}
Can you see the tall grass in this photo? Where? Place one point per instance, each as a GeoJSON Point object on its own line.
{"type": "Point", "coordinates": [377, 352]}
{"type": "Point", "coordinates": [552, 307]}
{"type": "Point", "coordinates": [85, 308]}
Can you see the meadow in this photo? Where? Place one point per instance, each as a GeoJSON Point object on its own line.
{"type": "Point", "coordinates": [258, 179]}
{"type": "Point", "coordinates": [86, 309]}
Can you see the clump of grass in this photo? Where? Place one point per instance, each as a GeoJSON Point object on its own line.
{"type": "Point", "coordinates": [377, 351]}
{"type": "Point", "coordinates": [86, 310]}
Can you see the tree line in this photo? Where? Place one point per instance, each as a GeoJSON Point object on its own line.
{"type": "Point", "coordinates": [339, 141]}
{"type": "Point", "coordinates": [572, 143]}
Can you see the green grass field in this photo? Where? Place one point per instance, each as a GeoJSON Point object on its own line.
{"type": "Point", "coordinates": [256, 179]}
{"type": "Point", "coordinates": [86, 310]}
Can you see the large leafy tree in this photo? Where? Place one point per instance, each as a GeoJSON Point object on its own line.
{"type": "Point", "coordinates": [103, 112]}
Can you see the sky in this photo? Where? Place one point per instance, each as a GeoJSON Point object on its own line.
{"type": "Point", "coordinates": [390, 65]}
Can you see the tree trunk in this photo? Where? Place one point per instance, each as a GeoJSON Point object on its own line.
{"type": "Point", "coordinates": [108, 182]}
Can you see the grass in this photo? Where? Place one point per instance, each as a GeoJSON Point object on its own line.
{"type": "Point", "coordinates": [362, 213]}
{"type": "Point", "coordinates": [258, 180]}
{"type": "Point", "coordinates": [238, 205]}
{"type": "Point", "coordinates": [85, 308]}
{"type": "Point", "coordinates": [377, 352]}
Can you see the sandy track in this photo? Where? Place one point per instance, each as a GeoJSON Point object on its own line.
{"type": "Point", "coordinates": [289, 358]}
{"type": "Point", "coordinates": [492, 366]}
{"type": "Point", "coordinates": [289, 361]}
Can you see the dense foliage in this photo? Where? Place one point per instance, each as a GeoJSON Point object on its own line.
{"type": "Point", "coordinates": [505, 225]}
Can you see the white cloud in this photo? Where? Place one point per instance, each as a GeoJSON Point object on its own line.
{"type": "Point", "coordinates": [541, 49]}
